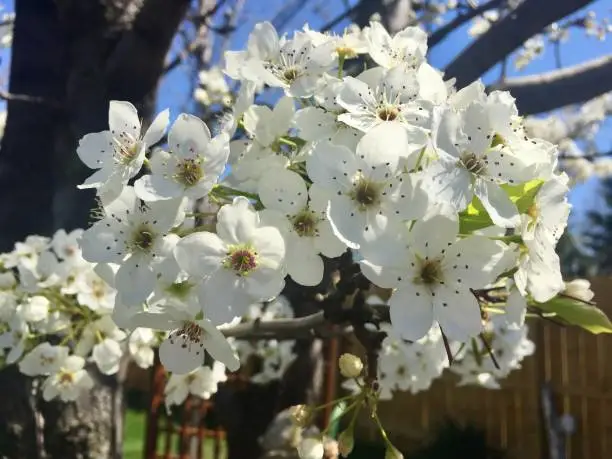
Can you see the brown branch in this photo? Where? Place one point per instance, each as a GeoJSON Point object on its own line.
{"type": "Point", "coordinates": [506, 35]}
{"type": "Point", "coordinates": [277, 328]}
{"type": "Point", "coordinates": [558, 88]}
{"type": "Point", "coordinates": [442, 32]}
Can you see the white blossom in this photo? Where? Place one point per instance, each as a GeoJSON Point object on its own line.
{"type": "Point", "coordinates": [433, 273]}
{"type": "Point", "coordinates": [69, 382]}
{"type": "Point", "coordinates": [240, 264]}
{"type": "Point", "coordinates": [118, 154]}
{"type": "Point", "coordinates": [192, 167]}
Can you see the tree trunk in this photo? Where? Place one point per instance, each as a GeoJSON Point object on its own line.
{"type": "Point", "coordinates": [70, 58]}
{"type": "Point", "coordinates": [31, 428]}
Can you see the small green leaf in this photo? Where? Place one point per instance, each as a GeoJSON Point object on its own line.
{"type": "Point", "coordinates": [524, 194]}
{"type": "Point", "coordinates": [576, 312]}
{"type": "Point", "coordinates": [334, 418]}
{"type": "Point", "coordinates": [470, 222]}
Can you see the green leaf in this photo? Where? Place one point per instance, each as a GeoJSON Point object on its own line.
{"type": "Point", "coordinates": [334, 418]}
{"type": "Point", "coordinates": [473, 218]}
{"type": "Point", "coordinates": [524, 194]}
{"type": "Point", "coordinates": [576, 312]}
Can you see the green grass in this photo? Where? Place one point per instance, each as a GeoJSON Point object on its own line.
{"type": "Point", "coordinates": [134, 431]}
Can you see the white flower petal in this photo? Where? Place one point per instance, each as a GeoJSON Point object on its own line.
{"type": "Point", "coordinates": [449, 184]}
{"type": "Point", "coordinates": [304, 265]}
{"type": "Point", "coordinates": [200, 254]}
{"type": "Point", "coordinates": [157, 129]}
{"type": "Point", "coordinates": [218, 347]}
{"type": "Point", "coordinates": [188, 136]}
{"type": "Point", "coordinates": [96, 149]}
{"type": "Point", "coordinates": [432, 237]}
{"type": "Point", "coordinates": [472, 261]}
{"type": "Point", "coordinates": [102, 243]}
{"type": "Point", "coordinates": [411, 311]}
{"type": "Point", "coordinates": [457, 311]}
{"type": "Point", "coordinates": [494, 199]}
{"type": "Point", "coordinates": [135, 280]}
{"type": "Point", "coordinates": [179, 355]}
{"type": "Point", "coordinates": [123, 120]}
{"type": "Point", "coordinates": [283, 190]}
{"type": "Point", "coordinates": [236, 222]}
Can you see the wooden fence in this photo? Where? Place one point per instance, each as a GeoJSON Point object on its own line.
{"type": "Point", "coordinates": [578, 366]}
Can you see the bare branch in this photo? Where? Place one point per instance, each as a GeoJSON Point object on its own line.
{"type": "Point", "coordinates": [592, 157]}
{"type": "Point", "coordinates": [5, 95]}
{"type": "Point", "coordinates": [277, 328]}
{"type": "Point", "coordinates": [527, 20]}
{"type": "Point", "coordinates": [558, 88]}
{"type": "Point", "coordinates": [442, 32]}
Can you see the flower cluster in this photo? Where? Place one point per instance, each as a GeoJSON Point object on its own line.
{"type": "Point", "coordinates": [438, 193]}
{"type": "Point", "coordinates": [55, 317]}
{"type": "Point", "coordinates": [484, 364]}
{"type": "Point", "coordinates": [407, 366]}
{"type": "Point", "coordinates": [576, 132]}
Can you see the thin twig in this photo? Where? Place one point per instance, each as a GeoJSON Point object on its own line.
{"type": "Point", "coordinates": [487, 346]}
{"type": "Point", "coordinates": [441, 33]}
{"type": "Point", "coordinates": [590, 157]}
{"type": "Point", "coordinates": [5, 95]}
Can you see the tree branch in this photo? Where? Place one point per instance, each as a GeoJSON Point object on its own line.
{"type": "Point", "coordinates": [530, 18]}
{"type": "Point", "coordinates": [277, 328]}
{"type": "Point", "coordinates": [558, 88]}
{"type": "Point", "coordinates": [590, 157]}
{"type": "Point", "coordinates": [442, 32]}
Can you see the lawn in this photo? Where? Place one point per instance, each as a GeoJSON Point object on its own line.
{"type": "Point", "coordinates": [133, 440]}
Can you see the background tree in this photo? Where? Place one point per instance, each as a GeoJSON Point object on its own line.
{"type": "Point", "coordinates": [598, 238]}
{"type": "Point", "coordinates": [71, 57]}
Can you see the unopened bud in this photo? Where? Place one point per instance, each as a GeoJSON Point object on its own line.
{"type": "Point", "coordinates": [393, 453]}
{"type": "Point", "coordinates": [301, 415]}
{"type": "Point", "coordinates": [579, 289]}
{"type": "Point", "coordinates": [311, 448]}
{"type": "Point", "coordinates": [351, 366]}
{"type": "Point", "coordinates": [346, 442]}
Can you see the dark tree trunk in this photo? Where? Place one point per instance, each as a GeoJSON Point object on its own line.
{"type": "Point", "coordinates": [70, 58]}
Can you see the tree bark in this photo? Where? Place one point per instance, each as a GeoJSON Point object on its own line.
{"type": "Point", "coordinates": [91, 427]}
{"type": "Point", "coordinates": [73, 56]}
